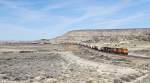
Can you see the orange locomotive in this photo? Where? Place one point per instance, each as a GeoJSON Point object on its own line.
{"type": "Point", "coordinates": [123, 51]}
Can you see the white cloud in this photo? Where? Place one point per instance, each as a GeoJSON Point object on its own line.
{"type": "Point", "coordinates": [96, 11]}
{"type": "Point", "coordinates": [22, 12]}
{"type": "Point", "coordinates": [14, 29]}
{"type": "Point", "coordinates": [108, 11]}
{"type": "Point", "coordinates": [136, 18]}
{"type": "Point", "coordinates": [59, 23]}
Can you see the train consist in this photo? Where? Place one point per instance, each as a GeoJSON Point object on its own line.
{"type": "Point", "coordinates": [122, 51]}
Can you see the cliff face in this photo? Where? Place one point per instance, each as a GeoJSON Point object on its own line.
{"type": "Point", "coordinates": [107, 35]}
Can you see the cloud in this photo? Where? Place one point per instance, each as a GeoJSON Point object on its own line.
{"type": "Point", "coordinates": [136, 18]}
{"type": "Point", "coordinates": [96, 11]}
{"type": "Point", "coordinates": [22, 12]}
{"type": "Point", "coordinates": [57, 5]}
{"type": "Point", "coordinates": [121, 22]}
{"type": "Point", "coordinates": [7, 28]}
{"type": "Point", "coordinates": [27, 17]}
{"type": "Point", "coordinates": [101, 11]}
{"type": "Point", "coordinates": [15, 32]}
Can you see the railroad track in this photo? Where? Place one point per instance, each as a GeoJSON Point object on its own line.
{"type": "Point", "coordinates": [138, 57]}
{"type": "Point", "coordinates": [99, 49]}
{"type": "Point", "coordinates": [132, 56]}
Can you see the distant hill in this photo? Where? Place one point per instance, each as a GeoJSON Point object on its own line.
{"type": "Point", "coordinates": [93, 36]}
{"type": "Point", "coordinates": [104, 35]}
{"type": "Point", "coordinates": [41, 41]}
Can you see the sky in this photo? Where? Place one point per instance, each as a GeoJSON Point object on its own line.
{"type": "Point", "coordinates": [45, 19]}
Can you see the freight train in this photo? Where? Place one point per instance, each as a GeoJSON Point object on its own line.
{"type": "Point", "coordinates": [122, 51]}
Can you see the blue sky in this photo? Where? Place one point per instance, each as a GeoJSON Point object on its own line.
{"type": "Point", "coordinates": [37, 19]}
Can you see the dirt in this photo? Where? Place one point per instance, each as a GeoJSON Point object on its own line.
{"type": "Point", "coordinates": [65, 63]}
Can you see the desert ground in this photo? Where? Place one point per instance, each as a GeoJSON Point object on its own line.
{"type": "Point", "coordinates": [69, 63]}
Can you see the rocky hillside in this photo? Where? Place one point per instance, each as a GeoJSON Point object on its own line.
{"type": "Point", "coordinates": [105, 35]}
